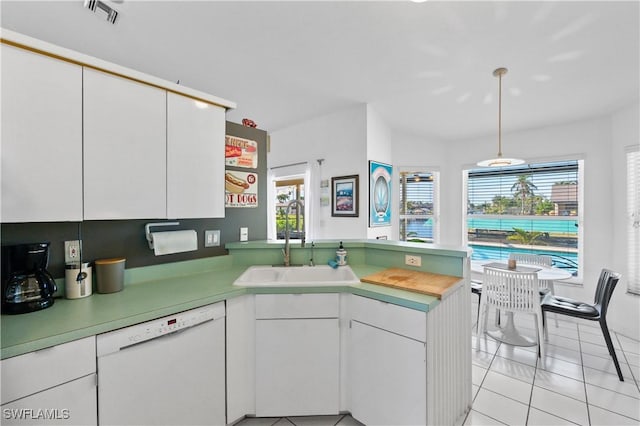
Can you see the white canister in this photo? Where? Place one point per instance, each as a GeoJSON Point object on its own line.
{"type": "Point", "coordinates": [74, 288]}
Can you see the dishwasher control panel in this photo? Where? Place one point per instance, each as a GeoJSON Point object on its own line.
{"type": "Point", "coordinates": [128, 336]}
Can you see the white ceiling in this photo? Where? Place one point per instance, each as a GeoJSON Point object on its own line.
{"type": "Point", "coordinates": [426, 68]}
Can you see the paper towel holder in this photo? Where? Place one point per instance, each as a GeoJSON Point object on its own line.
{"type": "Point", "coordinates": [147, 230]}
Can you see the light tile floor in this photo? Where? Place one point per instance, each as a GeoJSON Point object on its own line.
{"type": "Point", "coordinates": [579, 385]}
{"type": "Point", "coordinates": [340, 420]}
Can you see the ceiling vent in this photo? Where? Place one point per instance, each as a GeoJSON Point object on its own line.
{"type": "Point", "coordinates": [101, 7]}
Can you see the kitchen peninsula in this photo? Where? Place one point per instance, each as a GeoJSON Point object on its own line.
{"type": "Point", "coordinates": [383, 348]}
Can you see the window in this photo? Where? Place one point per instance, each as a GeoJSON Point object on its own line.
{"type": "Point", "coordinates": [288, 190]}
{"type": "Point", "coordinates": [531, 208]}
{"type": "Point", "coordinates": [633, 222]}
{"type": "Point", "coordinates": [417, 207]}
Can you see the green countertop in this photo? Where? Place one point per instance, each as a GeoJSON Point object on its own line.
{"type": "Point", "coordinates": [156, 291]}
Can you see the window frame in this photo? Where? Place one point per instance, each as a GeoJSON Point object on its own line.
{"type": "Point", "coordinates": [577, 279]}
{"type": "Point", "coordinates": [299, 182]}
{"type": "Point", "coordinates": [435, 215]}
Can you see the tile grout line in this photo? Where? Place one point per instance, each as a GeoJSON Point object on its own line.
{"type": "Point", "coordinates": [584, 379]}
{"type": "Point", "coordinates": [585, 383]}
{"type": "Point", "coordinates": [533, 383]}
{"type": "Point", "coordinates": [549, 390]}
{"type": "Point", "coordinates": [339, 420]}
{"type": "Point", "coordinates": [497, 393]}
{"type": "Point", "coordinates": [624, 353]}
{"type": "Point", "coordinates": [504, 396]}
{"type": "Point", "coordinates": [493, 356]}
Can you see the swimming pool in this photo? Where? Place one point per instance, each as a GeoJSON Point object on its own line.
{"type": "Point", "coordinates": [561, 259]}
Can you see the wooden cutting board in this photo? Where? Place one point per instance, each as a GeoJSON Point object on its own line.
{"type": "Point", "coordinates": [416, 281]}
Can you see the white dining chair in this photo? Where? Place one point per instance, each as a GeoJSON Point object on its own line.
{"type": "Point", "coordinates": [541, 260]}
{"type": "Point", "coordinates": [512, 292]}
{"type": "Point", "coordinates": [535, 259]}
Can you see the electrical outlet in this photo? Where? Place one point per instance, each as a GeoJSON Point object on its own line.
{"type": "Point", "coordinates": [212, 238]}
{"type": "Point", "coordinates": [72, 251]}
{"type": "Point", "coordinates": [412, 260]}
{"type": "Point", "coordinates": [244, 234]}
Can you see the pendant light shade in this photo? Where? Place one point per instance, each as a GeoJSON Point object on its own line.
{"type": "Point", "coordinates": [500, 161]}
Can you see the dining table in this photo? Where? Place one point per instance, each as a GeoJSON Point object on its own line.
{"type": "Point", "coordinates": [509, 333]}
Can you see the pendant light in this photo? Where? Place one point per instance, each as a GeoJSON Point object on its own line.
{"type": "Point", "coordinates": [500, 161]}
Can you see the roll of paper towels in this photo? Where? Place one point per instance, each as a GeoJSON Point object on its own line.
{"type": "Point", "coordinates": [174, 241]}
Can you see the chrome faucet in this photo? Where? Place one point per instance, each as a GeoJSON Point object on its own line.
{"type": "Point", "coordinates": [287, 246]}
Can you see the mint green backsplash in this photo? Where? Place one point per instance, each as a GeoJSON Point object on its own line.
{"type": "Point", "coordinates": [358, 253]}
{"type": "Point", "coordinates": [446, 265]}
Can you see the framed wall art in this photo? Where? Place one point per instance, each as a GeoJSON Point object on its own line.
{"type": "Point", "coordinates": [380, 194]}
{"type": "Point", "coordinates": [344, 196]}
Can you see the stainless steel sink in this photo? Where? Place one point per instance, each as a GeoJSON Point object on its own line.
{"type": "Point", "coordinates": [296, 276]}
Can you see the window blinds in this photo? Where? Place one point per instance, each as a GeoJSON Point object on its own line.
{"type": "Point", "coordinates": [633, 222]}
{"type": "Point", "coordinates": [532, 207]}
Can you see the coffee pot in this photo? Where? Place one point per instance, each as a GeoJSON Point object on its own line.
{"type": "Point", "coordinates": [27, 286]}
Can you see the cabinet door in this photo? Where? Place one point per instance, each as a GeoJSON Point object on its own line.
{"type": "Point", "coordinates": [241, 349]}
{"type": "Point", "coordinates": [125, 150]}
{"type": "Point", "coordinates": [32, 372]}
{"type": "Point", "coordinates": [41, 138]}
{"type": "Point", "coordinates": [195, 158]}
{"type": "Point", "coordinates": [387, 377]}
{"type": "Point", "coordinates": [297, 367]}
{"type": "Point", "coordinates": [72, 403]}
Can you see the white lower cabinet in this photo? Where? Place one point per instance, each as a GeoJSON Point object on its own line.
{"type": "Point", "coordinates": [55, 385]}
{"type": "Point", "coordinates": [297, 358]}
{"type": "Point", "coordinates": [241, 349]}
{"type": "Point", "coordinates": [72, 403]}
{"type": "Point", "coordinates": [387, 364]}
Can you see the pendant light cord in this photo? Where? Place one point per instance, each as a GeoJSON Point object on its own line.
{"type": "Point", "coordinates": [499, 72]}
{"type": "Point", "coordinates": [500, 114]}
{"type": "Point", "coordinates": [499, 161]}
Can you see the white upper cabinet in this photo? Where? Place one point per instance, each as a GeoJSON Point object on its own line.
{"type": "Point", "coordinates": [41, 138]}
{"type": "Point", "coordinates": [125, 156]}
{"type": "Point", "coordinates": [84, 139]}
{"type": "Point", "coordinates": [195, 158]}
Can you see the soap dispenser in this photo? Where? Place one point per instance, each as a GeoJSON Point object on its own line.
{"type": "Point", "coordinates": [341, 255]}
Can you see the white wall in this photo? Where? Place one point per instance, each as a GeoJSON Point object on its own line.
{"type": "Point", "coordinates": [346, 140]}
{"type": "Point", "coordinates": [379, 149]}
{"type": "Point", "coordinates": [417, 153]}
{"type": "Point", "coordinates": [340, 138]}
{"type": "Point", "coordinates": [624, 315]}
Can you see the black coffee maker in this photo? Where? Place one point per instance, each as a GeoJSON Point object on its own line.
{"type": "Point", "coordinates": [27, 286]}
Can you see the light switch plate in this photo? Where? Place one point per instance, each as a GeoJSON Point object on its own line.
{"type": "Point", "coordinates": [244, 234]}
{"type": "Point", "coordinates": [212, 238]}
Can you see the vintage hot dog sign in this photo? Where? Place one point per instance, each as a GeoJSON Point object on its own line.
{"type": "Point", "coordinates": [239, 152]}
{"type": "Point", "coordinates": [241, 189]}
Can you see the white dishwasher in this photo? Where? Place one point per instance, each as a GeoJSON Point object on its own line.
{"type": "Point", "coordinates": [169, 371]}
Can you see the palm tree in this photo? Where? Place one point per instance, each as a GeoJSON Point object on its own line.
{"type": "Point", "coordinates": [524, 237]}
{"type": "Point", "coordinates": [523, 189]}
